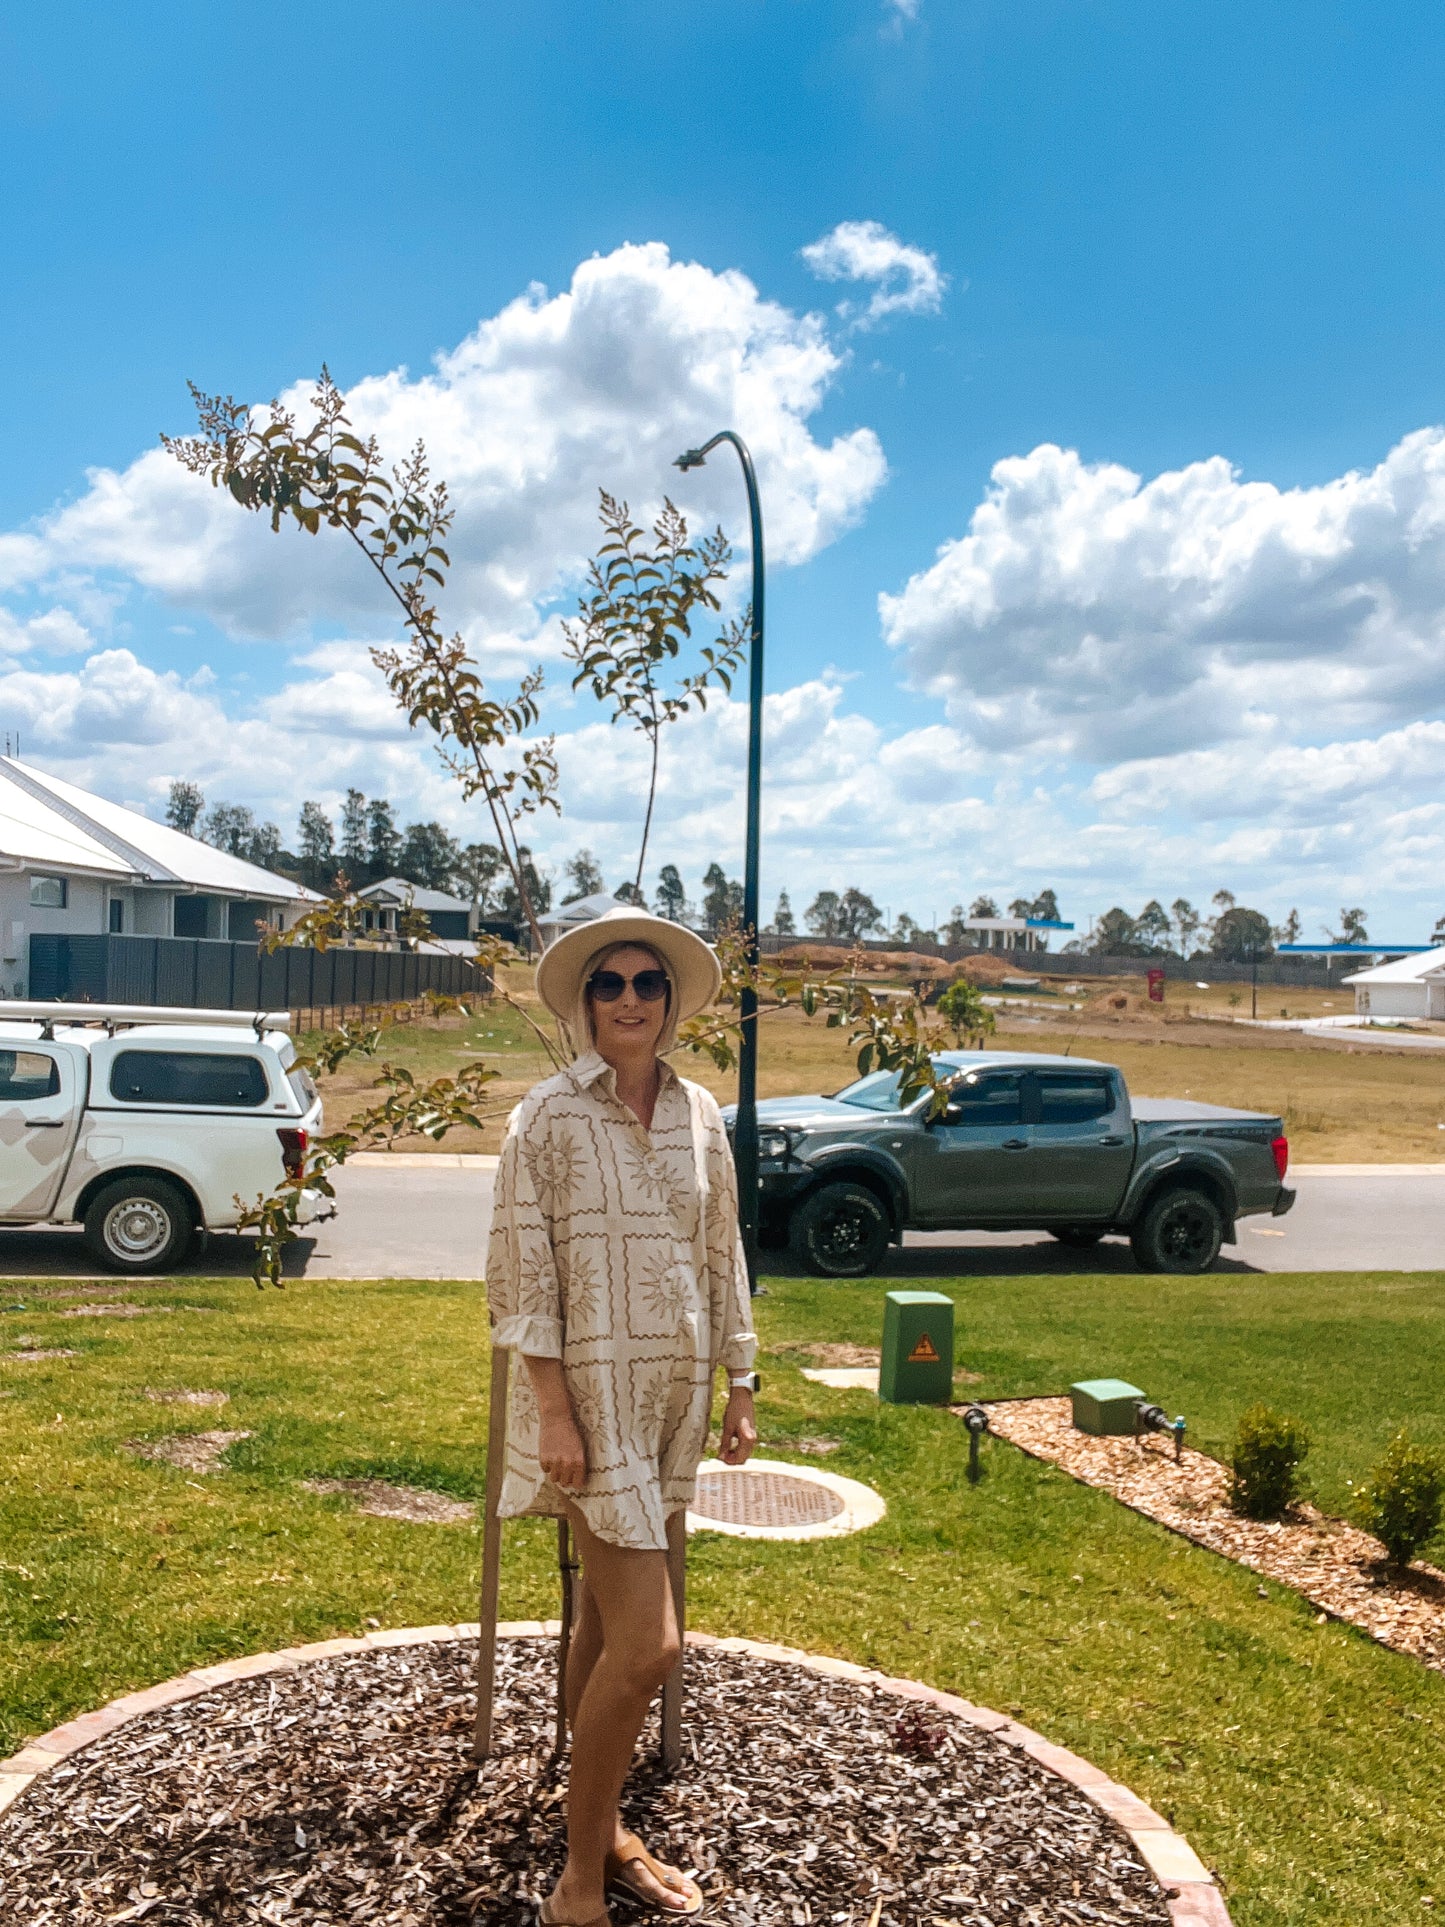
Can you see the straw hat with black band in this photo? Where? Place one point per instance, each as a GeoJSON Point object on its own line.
{"type": "Point", "coordinates": [566, 964]}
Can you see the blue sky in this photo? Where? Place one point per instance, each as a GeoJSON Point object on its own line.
{"type": "Point", "coordinates": [1167, 235]}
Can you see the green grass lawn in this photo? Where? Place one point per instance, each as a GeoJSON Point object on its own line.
{"type": "Point", "coordinates": [1302, 1761]}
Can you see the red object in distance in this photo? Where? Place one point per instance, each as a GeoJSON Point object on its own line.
{"type": "Point", "coordinates": [1156, 986]}
{"type": "Point", "coordinates": [1280, 1147]}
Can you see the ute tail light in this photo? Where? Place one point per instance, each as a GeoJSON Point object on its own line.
{"type": "Point", "coordinates": [293, 1150]}
{"type": "Point", "coordinates": [1280, 1147]}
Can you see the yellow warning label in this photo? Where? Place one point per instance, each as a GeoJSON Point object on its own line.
{"type": "Point", "coordinates": [923, 1352]}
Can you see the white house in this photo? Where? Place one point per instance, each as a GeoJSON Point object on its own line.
{"type": "Point", "coordinates": [1408, 987]}
{"type": "Point", "coordinates": [1012, 933]}
{"type": "Point", "coordinates": [72, 864]}
{"type": "Point", "coordinates": [580, 910]}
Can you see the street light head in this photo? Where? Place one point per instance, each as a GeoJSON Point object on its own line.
{"type": "Point", "coordinates": [693, 458]}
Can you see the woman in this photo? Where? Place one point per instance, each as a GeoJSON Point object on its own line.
{"type": "Point", "coordinates": [615, 1269]}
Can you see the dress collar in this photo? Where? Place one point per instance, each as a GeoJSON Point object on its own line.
{"type": "Point", "coordinates": [592, 1068]}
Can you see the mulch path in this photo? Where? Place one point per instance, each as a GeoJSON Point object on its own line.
{"type": "Point", "coordinates": [1340, 1568]}
{"type": "Point", "coordinates": [341, 1794]}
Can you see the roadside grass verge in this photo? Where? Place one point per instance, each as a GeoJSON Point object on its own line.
{"type": "Point", "coordinates": [1300, 1760]}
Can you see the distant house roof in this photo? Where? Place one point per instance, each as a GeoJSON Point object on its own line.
{"type": "Point", "coordinates": [45, 822]}
{"type": "Point", "coordinates": [398, 890]}
{"type": "Point", "coordinates": [1404, 970]}
{"type": "Point", "coordinates": [581, 910]}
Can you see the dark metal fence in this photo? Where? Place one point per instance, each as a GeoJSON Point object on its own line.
{"type": "Point", "coordinates": [200, 973]}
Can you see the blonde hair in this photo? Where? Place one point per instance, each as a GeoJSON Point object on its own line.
{"type": "Point", "coordinates": [581, 1026]}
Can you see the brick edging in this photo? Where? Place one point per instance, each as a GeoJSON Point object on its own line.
{"type": "Point", "coordinates": [1191, 1895]}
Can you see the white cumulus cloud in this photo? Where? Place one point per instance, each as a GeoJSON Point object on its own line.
{"type": "Point", "coordinates": [556, 395]}
{"type": "Point", "coordinates": [1090, 614]}
{"type": "Point", "coordinates": [907, 280]}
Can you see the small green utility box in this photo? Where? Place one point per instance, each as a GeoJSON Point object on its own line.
{"type": "Point", "coordinates": [1105, 1407]}
{"type": "Point", "coordinates": [917, 1366]}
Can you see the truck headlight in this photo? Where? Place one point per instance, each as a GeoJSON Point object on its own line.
{"type": "Point", "coordinates": [775, 1146]}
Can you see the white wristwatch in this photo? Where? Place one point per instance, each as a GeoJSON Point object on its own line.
{"type": "Point", "coordinates": [744, 1382]}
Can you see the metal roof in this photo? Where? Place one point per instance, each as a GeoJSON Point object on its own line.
{"type": "Point", "coordinates": [398, 890]}
{"type": "Point", "coordinates": [1404, 970]}
{"type": "Point", "coordinates": [48, 823]}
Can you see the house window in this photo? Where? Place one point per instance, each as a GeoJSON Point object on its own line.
{"type": "Point", "coordinates": [117, 915]}
{"type": "Point", "coordinates": [48, 893]}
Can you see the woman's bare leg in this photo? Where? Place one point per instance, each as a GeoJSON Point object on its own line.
{"type": "Point", "coordinates": [625, 1647]}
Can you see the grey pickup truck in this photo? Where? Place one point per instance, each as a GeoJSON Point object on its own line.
{"type": "Point", "coordinates": [1025, 1143]}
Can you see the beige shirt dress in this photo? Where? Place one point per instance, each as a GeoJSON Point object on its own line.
{"type": "Point", "coordinates": [616, 1249]}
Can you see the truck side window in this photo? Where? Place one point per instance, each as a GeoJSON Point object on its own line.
{"type": "Point", "coordinates": [986, 1100]}
{"type": "Point", "coordinates": [25, 1074]}
{"type": "Point", "coordinates": [212, 1081]}
{"type": "Point", "coordinates": [1068, 1099]}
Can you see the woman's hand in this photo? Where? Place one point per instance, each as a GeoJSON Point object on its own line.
{"type": "Point", "coordinates": [739, 1429]}
{"type": "Point", "coordinates": [560, 1446]}
{"type": "Point", "coordinates": [561, 1450]}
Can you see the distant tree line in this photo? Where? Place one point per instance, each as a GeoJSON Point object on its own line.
{"type": "Point", "coordinates": [1234, 934]}
{"type": "Point", "coordinates": [367, 845]}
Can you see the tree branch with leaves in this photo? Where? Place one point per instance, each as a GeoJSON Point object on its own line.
{"type": "Point", "coordinates": [326, 476]}
{"type": "Point", "coordinates": [635, 619]}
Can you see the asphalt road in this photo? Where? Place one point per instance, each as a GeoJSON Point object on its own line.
{"type": "Point", "coordinates": [426, 1216]}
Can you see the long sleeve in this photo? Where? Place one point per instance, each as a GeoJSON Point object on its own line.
{"type": "Point", "coordinates": [523, 1291]}
{"type": "Point", "coordinates": [734, 1341]}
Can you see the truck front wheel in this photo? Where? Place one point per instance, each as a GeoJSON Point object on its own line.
{"type": "Point", "coordinates": [139, 1224]}
{"type": "Point", "coordinates": [1181, 1231]}
{"type": "Point", "coordinates": [840, 1231]}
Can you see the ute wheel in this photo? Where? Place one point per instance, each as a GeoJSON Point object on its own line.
{"type": "Point", "coordinates": [139, 1224]}
{"type": "Point", "coordinates": [1077, 1237]}
{"type": "Point", "coordinates": [1180, 1232]}
{"type": "Point", "coordinates": [840, 1231]}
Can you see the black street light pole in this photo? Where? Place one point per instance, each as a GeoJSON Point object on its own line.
{"type": "Point", "coordinates": [745, 1130]}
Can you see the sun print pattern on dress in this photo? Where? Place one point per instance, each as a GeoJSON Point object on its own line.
{"type": "Point", "coordinates": [617, 1250]}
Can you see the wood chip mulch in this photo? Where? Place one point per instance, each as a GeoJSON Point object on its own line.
{"type": "Point", "coordinates": [1334, 1564]}
{"type": "Point", "coordinates": [341, 1794]}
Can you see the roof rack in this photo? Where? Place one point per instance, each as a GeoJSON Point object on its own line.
{"type": "Point", "coordinates": [121, 1016]}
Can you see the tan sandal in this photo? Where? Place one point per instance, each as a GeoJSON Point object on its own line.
{"type": "Point", "coordinates": [630, 1854]}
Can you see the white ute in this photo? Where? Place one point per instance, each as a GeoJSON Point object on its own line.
{"type": "Point", "coordinates": [146, 1125]}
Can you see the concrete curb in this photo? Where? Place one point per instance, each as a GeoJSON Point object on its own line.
{"type": "Point", "coordinates": [1191, 1895]}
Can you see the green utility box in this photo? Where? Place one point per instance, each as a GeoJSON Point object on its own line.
{"type": "Point", "coordinates": [917, 1364]}
{"type": "Point", "coordinates": [1105, 1407]}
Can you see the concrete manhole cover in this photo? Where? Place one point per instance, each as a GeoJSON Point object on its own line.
{"type": "Point", "coordinates": [771, 1500]}
{"type": "Point", "coordinates": [764, 1499]}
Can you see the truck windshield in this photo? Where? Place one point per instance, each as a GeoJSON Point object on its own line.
{"type": "Point", "coordinates": [878, 1091]}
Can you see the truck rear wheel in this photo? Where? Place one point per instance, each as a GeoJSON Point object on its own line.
{"type": "Point", "coordinates": [1180, 1232]}
{"type": "Point", "coordinates": [139, 1224]}
{"type": "Point", "coordinates": [840, 1231]}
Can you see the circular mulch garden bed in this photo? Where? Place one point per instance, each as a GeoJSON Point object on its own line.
{"type": "Point", "coordinates": [341, 1793]}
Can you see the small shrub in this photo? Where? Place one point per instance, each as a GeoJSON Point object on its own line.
{"type": "Point", "coordinates": [1405, 1499]}
{"type": "Point", "coordinates": [1265, 1476]}
{"type": "Point", "coordinates": [962, 1008]}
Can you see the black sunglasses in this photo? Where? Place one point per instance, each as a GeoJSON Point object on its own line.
{"type": "Point", "coordinates": [608, 985]}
